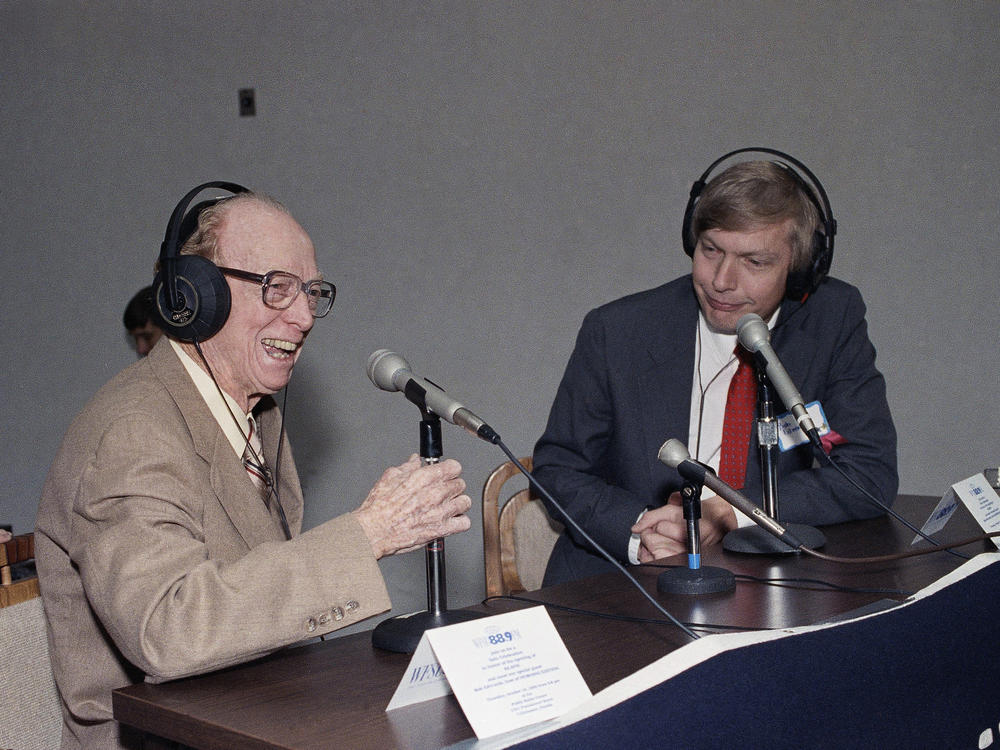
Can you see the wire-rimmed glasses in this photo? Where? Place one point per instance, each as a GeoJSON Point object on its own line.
{"type": "Point", "coordinates": [278, 289]}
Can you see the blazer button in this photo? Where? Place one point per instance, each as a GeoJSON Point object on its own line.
{"type": "Point", "coordinates": [338, 613]}
{"type": "Point", "coordinates": [351, 605]}
{"type": "Point", "coordinates": [324, 618]}
{"type": "Point", "coordinates": [311, 624]}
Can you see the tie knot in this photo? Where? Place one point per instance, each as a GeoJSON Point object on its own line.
{"type": "Point", "coordinates": [743, 355]}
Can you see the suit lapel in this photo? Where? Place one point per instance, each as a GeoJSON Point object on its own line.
{"type": "Point", "coordinates": [289, 488]}
{"type": "Point", "coordinates": [667, 377]}
{"type": "Point", "coordinates": [230, 483]}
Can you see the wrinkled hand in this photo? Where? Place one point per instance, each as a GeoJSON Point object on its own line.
{"type": "Point", "coordinates": [412, 504]}
{"type": "Point", "coordinates": [663, 531]}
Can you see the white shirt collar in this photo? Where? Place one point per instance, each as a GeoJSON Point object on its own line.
{"type": "Point", "coordinates": [220, 403]}
{"type": "Point", "coordinates": [718, 348]}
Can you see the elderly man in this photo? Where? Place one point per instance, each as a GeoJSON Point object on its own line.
{"type": "Point", "coordinates": [660, 363]}
{"type": "Point", "coordinates": [168, 536]}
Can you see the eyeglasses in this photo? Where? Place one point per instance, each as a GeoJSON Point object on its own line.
{"type": "Point", "coordinates": [279, 289]}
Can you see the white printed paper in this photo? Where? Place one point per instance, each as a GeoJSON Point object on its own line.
{"type": "Point", "coordinates": [507, 671]}
{"type": "Point", "coordinates": [424, 679]}
{"type": "Point", "coordinates": [944, 510]}
{"type": "Point", "coordinates": [982, 501]}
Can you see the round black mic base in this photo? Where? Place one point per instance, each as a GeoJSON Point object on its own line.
{"type": "Point", "coordinates": [705, 580]}
{"type": "Point", "coordinates": [754, 540]}
{"type": "Point", "coordinates": [402, 634]}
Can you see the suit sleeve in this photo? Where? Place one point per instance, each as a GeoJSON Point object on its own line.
{"type": "Point", "coordinates": [575, 458]}
{"type": "Point", "coordinates": [175, 605]}
{"type": "Point", "coordinates": [853, 396]}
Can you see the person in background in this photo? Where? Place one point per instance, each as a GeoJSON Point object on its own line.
{"type": "Point", "coordinates": [139, 323]}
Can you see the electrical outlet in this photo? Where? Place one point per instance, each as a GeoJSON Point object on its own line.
{"type": "Point", "coordinates": [248, 103]}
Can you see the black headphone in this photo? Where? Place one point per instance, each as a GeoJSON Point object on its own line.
{"type": "Point", "coordinates": [801, 282]}
{"type": "Point", "coordinates": [190, 295]}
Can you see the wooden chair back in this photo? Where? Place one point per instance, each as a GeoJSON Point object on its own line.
{"type": "Point", "coordinates": [518, 534]}
{"type": "Point", "coordinates": [20, 549]}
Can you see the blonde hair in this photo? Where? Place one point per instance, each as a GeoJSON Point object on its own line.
{"type": "Point", "coordinates": [756, 194]}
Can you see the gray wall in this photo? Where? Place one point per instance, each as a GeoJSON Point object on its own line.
{"type": "Point", "coordinates": [476, 176]}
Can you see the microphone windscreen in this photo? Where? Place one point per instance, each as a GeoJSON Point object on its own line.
{"type": "Point", "coordinates": [751, 330]}
{"type": "Point", "coordinates": [382, 368]}
{"type": "Point", "coordinates": [673, 452]}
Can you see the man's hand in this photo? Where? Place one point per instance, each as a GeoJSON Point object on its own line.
{"type": "Point", "coordinates": [412, 504]}
{"type": "Point", "coordinates": [663, 531]}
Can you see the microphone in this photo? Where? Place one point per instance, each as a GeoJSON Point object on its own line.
{"type": "Point", "coordinates": [675, 455]}
{"type": "Point", "coordinates": [751, 330]}
{"type": "Point", "coordinates": [390, 372]}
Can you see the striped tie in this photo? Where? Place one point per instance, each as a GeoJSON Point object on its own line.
{"type": "Point", "coordinates": [253, 462]}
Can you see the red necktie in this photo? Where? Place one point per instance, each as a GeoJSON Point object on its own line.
{"type": "Point", "coordinates": [738, 421]}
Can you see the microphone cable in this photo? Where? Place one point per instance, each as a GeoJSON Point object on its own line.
{"type": "Point", "coordinates": [618, 618]}
{"type": "Point", "coordinates": [808, 584]}
{"type": "Point", "coordinates": [869, 496]}
{"type": "Point", "coordinates": [903, 555]}
{"type": "Point", "coordinates": [610, 558]}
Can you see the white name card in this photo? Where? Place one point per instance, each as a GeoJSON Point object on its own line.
{"type": "Point", "coordinates": [978, 496]}
{"type": "Point", "coordinates": [507, 671]}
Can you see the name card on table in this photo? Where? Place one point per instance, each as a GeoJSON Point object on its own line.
{"type": "Point", "coordinates": [978, 496]}
{"type": "Point", "coordinates": [507, 671]}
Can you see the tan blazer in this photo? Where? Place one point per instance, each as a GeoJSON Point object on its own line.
{"type": "Point", "coordinates": [158, 559]}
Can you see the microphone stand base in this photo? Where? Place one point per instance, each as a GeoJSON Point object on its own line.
{"type": "Point", "coordinates": [704, 580]}
{"type": "Point", "coordinates": [402, 633]}
{"type": "Point", "coordinates": [753, 540]}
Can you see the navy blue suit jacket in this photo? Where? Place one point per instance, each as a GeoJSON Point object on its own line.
{"type": "Point", "coordinates": [627, 388]}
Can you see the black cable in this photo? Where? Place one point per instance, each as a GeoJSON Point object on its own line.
{"type": "Point", "coordinates": [619, 618]}
{"type": "Point", "coordinates": [803, 583]}
{"type": "Point", "coordinates": [815, 584]}
{"type": "Point", "coordinates": [545, 493]}
{"type": "Point", "coordinates": [885, 507]}
{"type": "Point", "coordinates": [901, 555]}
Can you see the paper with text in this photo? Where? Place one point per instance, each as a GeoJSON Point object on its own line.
{"type": "Point", "coordinates": [424, 679]}
{"type": "Point", "coordinates": [507, 671]}
{"type": "Point", "coordinates": [982, 501]}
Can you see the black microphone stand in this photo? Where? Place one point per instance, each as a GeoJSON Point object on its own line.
{"type": "Point", "coordinates": [694, 579]}
{"type": "Point", "coordinates": [402, 633]}
{"type": "Point", "coordinates": [754, 539]}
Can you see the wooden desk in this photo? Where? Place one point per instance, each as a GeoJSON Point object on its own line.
{"type": "Point", "coordinates": [334, 693]}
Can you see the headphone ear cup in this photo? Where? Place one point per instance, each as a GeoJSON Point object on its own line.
{"type": "Point", "coordinates": [803, 282]}
{"type": "Point", "coordinates": [205, 296]}
{"type": "Point", "coordinates": [686, 243]}
{"type": "Point", "coordinates": [822, 258]}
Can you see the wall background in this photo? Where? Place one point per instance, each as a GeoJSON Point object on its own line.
{"type": "Point", "coordinates": [476, 176]}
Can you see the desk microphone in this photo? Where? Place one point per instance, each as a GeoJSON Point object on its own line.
{"type": "Point", "coordinates": [675, 455]}
{"type": "Point", "coordinates": [391, 372]}
{"type": "Point", "coordinates": [751, 330]}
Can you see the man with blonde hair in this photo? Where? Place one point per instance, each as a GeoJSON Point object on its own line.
{"type": "Point", "coordinates": [663, 363]}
